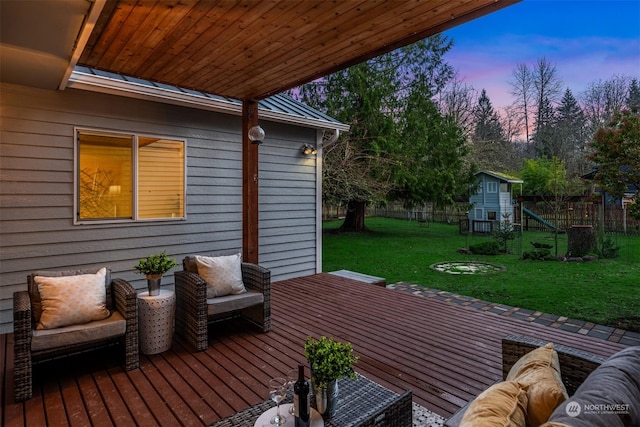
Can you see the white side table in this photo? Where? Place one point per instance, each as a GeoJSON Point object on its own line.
{"type": "Point", "coordinates": [156, 316]}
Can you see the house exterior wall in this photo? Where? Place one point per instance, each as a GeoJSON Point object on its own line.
{"type": "Point", "coordinates": [37, 190]}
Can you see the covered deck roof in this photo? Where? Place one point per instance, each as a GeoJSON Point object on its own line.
{"type": "Point", "coordinates": [444, 352]}
{"type": "Point", "coordinates": [242, 49]}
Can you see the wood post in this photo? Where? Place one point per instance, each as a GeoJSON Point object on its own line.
{"type": "Point", "coordinates": [249, 184]}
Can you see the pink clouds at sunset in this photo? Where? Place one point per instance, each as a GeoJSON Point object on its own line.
{"type": "Point", "coordinates": [587, 41]}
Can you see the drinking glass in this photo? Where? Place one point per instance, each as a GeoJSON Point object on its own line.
{"type": "Point", "coordinates": [277, 393]}
{"type": "Point", "coordinates": [292, 377]}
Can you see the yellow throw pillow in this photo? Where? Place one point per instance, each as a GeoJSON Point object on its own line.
{"type": "Point", "coordinates": [540, 370]}
{"type": "Point", "coordinates": [501, 405]}
{"type": "Point", "coordinates": [223, 274]}
{"type": "Point", "coordinates": [72, 300]}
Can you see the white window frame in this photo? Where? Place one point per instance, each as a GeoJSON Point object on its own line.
{"type": "Point", "coordinates": [492, 187]}
{"type": "Point", "coordinates": [135, 219]}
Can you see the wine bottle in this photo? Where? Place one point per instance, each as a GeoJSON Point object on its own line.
{"type": "Point", "coordinates": [302, 410]}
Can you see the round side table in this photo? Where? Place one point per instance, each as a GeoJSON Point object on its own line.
{"type": "Point", "coordinates": [156, 316]}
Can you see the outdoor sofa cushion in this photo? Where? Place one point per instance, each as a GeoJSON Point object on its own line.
{"type": "Point", "coordinates": [540, 371]}
{"type": "Point", "coordinates": [504, 404]}
{"type": "Point", "coordinates": [615, 383]}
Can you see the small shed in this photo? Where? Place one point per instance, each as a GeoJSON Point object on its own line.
{"type": "Point", "coordinates": [492, 201]}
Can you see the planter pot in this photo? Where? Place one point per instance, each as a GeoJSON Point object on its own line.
{"type": "Point", "coordinates": [327, 399]}
{"type": "Point", "coordinates": [153, 283]}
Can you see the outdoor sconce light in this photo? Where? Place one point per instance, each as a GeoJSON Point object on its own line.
{"type": "Point", "coordinates": [309, 150]}
{"type": "Point", "coordinates": [256, 135]}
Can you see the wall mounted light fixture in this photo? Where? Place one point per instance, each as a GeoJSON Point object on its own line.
{"type": "Point", "coordinates": [309, 150]}
{"type": "Point", "coordinates": [256, 135]}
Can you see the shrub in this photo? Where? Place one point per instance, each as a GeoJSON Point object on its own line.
{"type": "Point", "coordinates": [541, 254]}
{"type": "Point", "coordinates": [503, 233]}
{"type": "Point", "coordinates": [485, 248]}
{"type": "Point", "coordinates": [608, 249]}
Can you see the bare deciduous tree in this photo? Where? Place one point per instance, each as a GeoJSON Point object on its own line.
{"type": "Point", "coordinates": [548, 86]}
{"type": "Point", "coordinates": [522, 89]}
{"type": "Point", "coordinates": [458, 102]}
{"type": "Point", "coordinates": [603, 99]}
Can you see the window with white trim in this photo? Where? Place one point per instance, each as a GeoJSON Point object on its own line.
{"type": "Point", "coordinates": [492, 187]}
{"type": "Point", "coordinates": [128, 177]}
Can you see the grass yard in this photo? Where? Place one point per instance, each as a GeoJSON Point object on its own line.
{"type": "Point", "coordinates": [605, 291]}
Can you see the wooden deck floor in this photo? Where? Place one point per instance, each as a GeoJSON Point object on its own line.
{"type": "Point", "coordinates": [446, 354]}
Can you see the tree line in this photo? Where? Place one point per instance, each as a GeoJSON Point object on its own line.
{"type": "Point", "coordinates": [418, 134]}
{"type": "Point", "coordinates": [545, 120]}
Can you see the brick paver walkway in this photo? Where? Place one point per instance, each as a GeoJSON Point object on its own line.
{"type": "Point", "coordinates": [567, 324]}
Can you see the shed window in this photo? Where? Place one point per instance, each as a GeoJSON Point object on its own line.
{"type": "Point", "coordinates": [492, 187]}
{"type": "Point", "coordinates": [130, 177]}
{"type": "Point", "coordinates": [492, 216]}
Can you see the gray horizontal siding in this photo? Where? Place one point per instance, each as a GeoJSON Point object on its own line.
{"type": "Point", "coordinates": [287, 201]}
{"type": "Point", "coordinates": [36, 190]}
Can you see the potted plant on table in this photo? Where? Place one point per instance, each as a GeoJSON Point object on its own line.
{"type": "Point", "coordinates": [329, 360]}
{"type": "Point", "coordinates": [154, 267]}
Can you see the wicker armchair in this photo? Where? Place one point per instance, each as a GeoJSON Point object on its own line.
{"type": "Point", "coordinates": [194, 311]}
{"type": "Point", "coordinates": [33, 345]}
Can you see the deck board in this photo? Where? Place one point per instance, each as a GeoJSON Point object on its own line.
{"type": "Point", "coordinates": [445, 353]}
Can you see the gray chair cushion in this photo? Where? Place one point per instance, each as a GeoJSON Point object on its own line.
{"type": "Point", "coordinates": [47, 339]}
{"type": "Point", "coordinates": [230, 303]}
{"type": "Point", "coordinates": [615, 382]}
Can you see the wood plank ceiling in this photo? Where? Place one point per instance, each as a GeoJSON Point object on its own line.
{"type": "Point", "coordinates": [249, 49]}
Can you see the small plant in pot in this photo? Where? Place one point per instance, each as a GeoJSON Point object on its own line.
{"type": "Point", "coordinates": [154, 267]}
{"type": "Point", "coordinates": [329, 360]}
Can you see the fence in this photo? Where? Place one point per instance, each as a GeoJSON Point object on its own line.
{"type": "Point", "coordinates": [614, 219]}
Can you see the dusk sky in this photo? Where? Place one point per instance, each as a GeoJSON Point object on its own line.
{"type": "Point", "coordinates": [585, 40]}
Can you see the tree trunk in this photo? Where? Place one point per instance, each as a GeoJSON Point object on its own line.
{"type": "Point", "coordinates": [354, 219]}
{"type": "Point", "coordinates": [581, 240]}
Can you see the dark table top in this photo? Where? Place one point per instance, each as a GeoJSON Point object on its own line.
{"type": "Point", "coordinates": [361, 402]}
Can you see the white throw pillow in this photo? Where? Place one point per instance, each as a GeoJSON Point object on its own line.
{"type": "Point", "coordinates": [223, 274]}
{"type": "Point", "coordinates": [72, 300]}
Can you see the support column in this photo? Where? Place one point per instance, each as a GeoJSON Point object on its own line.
{"type": "Point", "coordinates": [249, 184]}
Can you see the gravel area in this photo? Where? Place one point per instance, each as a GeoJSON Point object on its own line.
{"type": "Point", "coordinates": [422, 417]}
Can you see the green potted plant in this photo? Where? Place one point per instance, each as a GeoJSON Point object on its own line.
{"type": "Point", "coordinates": [329, 360]}
{"type": "Point", "coordinates": [154, 267]}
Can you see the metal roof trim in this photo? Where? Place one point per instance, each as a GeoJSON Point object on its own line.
{"type": "Point", "coordinates": [272, 108]}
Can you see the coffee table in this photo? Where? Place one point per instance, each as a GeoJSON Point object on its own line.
{"type": "Point", "coordinates": [361, 402]}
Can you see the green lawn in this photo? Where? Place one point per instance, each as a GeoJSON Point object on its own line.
{"type": "Point", "coordinates": [602, 291]}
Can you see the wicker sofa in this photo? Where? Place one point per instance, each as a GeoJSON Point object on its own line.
{"type": "Point", "coordinates": [601, 392]}
{"type": "Point", "coordinates": [34, 345]}
{"type": "Point", "coordinates": [576, 365]}
{"type": "Point", "coordinates": [194, 311]}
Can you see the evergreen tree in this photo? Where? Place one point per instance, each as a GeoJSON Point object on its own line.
{"type": "Point", "coordinates": [545, 138]}
{"type": "Point", "coordinates": [570, 134]}
{"type": "Point", "coordinates": [488, 126]}
{"type": "Point", "coordinates": [395, 128]}
{"type": "Point", "coordinates": [633, 98]}
{"type": "Point", "coordinates": [490, 145]}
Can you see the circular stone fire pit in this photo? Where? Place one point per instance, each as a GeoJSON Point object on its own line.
{"type": "Point", "coordinates": [467, 267]}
